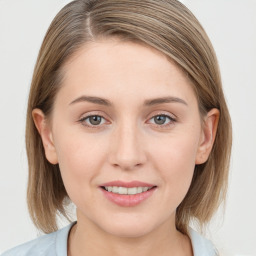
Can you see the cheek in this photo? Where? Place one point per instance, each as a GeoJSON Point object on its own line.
{"type": "Point", "coordinates": [174, 160]}
{"type": "Point", "coordinates": [177, 152]}
{"type": "Point", "coordinates": [80, 159]}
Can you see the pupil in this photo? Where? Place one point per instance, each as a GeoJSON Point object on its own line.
{"type": "Point", "coordinates": [95, 120]}
{"type": "Point", "coordinates": [160, 119]}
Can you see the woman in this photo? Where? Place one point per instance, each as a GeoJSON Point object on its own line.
{"type": "Point", "coordinates": [127, 119]}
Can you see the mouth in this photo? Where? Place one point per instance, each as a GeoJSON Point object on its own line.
{"type": "Point", "coordinates": [127, 194]}
{"type": "Point", "coordinates": [125, 190]}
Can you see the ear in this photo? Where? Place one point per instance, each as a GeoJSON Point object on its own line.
{"type": "Point", "coordinates": [45, 132]}
{"type": "Point", "coordinates": [208, 134]}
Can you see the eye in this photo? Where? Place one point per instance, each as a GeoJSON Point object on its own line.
{"type": "Point", "coordinates": [92, 120]}
{"type": "Point", "coordinates": [162, 120]}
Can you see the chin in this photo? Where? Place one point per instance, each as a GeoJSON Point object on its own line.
{"type": "Point", "coordinates": [129, 227]}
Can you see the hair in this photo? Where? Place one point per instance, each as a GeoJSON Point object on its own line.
{"type": "Point", "coordinates": [165, 25]}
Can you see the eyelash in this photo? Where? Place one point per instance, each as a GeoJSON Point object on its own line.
{"type": "Point", "coordinates": [172, 120]}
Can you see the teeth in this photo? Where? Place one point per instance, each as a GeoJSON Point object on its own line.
{"type": "Point", "coordinates": [122, 191]}
{"type": "Point", "coordinates": [127, 191]}
{"type": "Point", "coordinates": [144, 189]}
{"type": "Point", "coordinates": [139, 189]}
{"type": "Point", "coordinates": [115, 189]}
{"type": "Point", "coordinates": [132, 191]}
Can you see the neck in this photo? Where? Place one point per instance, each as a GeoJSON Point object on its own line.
{"type": "Point", "coordinates": [88, 239]}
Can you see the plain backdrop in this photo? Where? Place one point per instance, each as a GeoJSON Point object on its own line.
{"type": "Point", "coordinates": [230, 24]}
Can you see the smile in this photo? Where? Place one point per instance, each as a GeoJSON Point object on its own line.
{"type": "Point", "coordinates": [126, 191]}
{"type": "Point", "coordinates": [127, 194]}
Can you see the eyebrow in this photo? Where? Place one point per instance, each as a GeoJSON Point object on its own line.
{"type": "Point", "coordinates": [162, 100]}
{"type": "Point", "coordinates": [92, 99]}
{"type": "Point", "coordinates": [149, 102]}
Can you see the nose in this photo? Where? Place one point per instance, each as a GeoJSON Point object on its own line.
{"type": "Point", "coordinates": [126, 150]}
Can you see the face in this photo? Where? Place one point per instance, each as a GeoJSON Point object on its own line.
{"type": "Point", "coordinates": [127, 133]}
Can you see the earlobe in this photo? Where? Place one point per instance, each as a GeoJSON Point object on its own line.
{"type": "Point", "coordinates": [45, 132]}
{"type": "Point", "coordinates": [208, 134]}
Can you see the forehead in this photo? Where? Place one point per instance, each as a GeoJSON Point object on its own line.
{"type": "Point", "coordinates": [111, 66]}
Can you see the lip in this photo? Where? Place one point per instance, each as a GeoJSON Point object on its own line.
{"type": "Point", "coordinates": [130, 184]}
{"type": "Point", "coordinates": [128, 200]}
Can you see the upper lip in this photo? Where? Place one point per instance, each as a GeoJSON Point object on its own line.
{"type": "Point", "coordinates": [130, 184]}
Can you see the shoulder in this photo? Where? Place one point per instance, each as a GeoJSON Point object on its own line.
{"type": "Point", "coordinates": [53, 244]}
{"type": "Point", "coordinates": [201, 245]}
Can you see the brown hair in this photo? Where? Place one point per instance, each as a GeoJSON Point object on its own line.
{"type": "Point", "coordinates": [166, 25]}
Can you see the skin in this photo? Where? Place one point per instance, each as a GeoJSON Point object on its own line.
{"type": "Point", "coordinates": [128, 144]}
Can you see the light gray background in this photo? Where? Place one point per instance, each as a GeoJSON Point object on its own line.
{"type": "Point", "coordinates": [231, 25]}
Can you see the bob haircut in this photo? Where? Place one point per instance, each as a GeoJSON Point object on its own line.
{"type": "Point", "coordinates": [165, 25]}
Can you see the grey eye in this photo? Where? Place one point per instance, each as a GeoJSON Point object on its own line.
{"type": "Point", "coordinates": [94, 120]}
{"type": "Point", "coordinates": [160, 119]}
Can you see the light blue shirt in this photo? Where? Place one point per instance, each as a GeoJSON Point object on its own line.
{"type": "Point", "coordinates": [55, 244]}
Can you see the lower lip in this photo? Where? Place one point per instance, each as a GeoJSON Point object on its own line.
{"type": "Point", "coordinates": [128, 200]}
